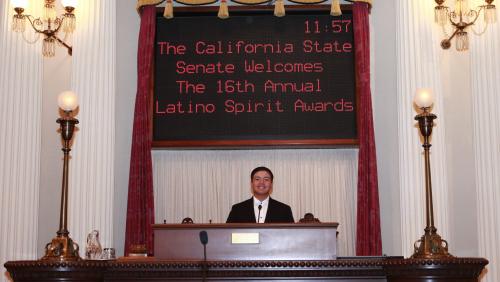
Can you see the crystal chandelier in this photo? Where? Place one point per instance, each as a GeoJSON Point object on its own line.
{"type": "Point", "coordinates": [49, 24]}
{"type": "Point", "coordinates": [460, 18]}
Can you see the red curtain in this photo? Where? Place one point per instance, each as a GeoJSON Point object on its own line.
{"type": "Point", "coordinates": [368, 238]}
{"type": "Point", "coordinates": [140, 207]}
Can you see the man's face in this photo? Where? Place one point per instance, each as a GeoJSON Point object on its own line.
{"type": "Point", "coordinates": [262, 184]}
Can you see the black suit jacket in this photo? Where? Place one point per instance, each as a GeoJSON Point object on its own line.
{"type": "Point", "coordinates": [277, 212]}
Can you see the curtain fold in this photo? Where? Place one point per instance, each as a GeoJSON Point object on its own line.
{"type": "Point", "coordinates": [21, 90]}
{"type": "Point", "coordinates": [140, 206]}
{"type": "Point", "coordinates": [91, 169]}
{"type": "Point", "coordinates": [485, 87]}
{"type": "Point", "coordinates": [368, 237]}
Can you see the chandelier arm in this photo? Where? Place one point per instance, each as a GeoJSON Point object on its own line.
{"type": "Point", "coordinates": [59, 22]}
{"type": "Point", "coordinates": [461, 25]}
{"type": "Point", "coordinates": [453, 35]}
{"type": "Point", "coordinates": [454, 24]}
{"type": "Point", "coordinates": [33, 21]}
{"type": "Point", "coordinates": [477, 15]}
{"type": "Point", "coordinates": [70, 49]}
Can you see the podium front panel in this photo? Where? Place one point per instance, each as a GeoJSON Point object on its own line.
{"type": "Point", "coordinates": [275, 241]}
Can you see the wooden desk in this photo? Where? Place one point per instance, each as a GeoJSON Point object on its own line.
{"type": "Point", "coordinates": [295, 254]}
{"type": "Point", "coordinates": [311, 241]}
{"type": "Point", "coordinates": [342, 269]}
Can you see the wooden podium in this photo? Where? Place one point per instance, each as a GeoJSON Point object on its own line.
{"type": "Point", "coordinates": [311, 241]}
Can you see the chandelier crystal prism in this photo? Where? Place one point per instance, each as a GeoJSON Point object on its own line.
{"type": "Point", "coordinates": [460, 19]}
{"type": "Point", "coordinates": [49, 24]}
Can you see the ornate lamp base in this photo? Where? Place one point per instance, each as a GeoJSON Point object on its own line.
{"type": "Point", "coordinates": [62, 248]}
{"type": "Point", "coordinates": [431, 246]}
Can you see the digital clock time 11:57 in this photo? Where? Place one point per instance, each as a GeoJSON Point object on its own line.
{"type": "Point", "coordinates": [333, 26]}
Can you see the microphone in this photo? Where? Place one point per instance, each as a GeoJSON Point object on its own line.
{"type": "Point", "coordinates": [204, 241]}
{"type": "Point", "coordinates": [258, 216]}
{"type": "Point", "coordinates": [203, 237]}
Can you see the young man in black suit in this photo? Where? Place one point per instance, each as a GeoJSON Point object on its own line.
{"type": "Point", "coordinates": [261, 208]}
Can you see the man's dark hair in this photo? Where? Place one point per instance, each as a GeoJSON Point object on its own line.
{"type": "Point", "coordinates": [261, 168]}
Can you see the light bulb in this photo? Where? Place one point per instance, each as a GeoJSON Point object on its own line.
{"type": "Point", "coordinates": [19, 3]}
{"type": "Point", "coordinates": [67, 101]}
{"type": "Point", "coordinates": [424, 98]}
{"type": "Point", "coordinates": [69, 3]}
{"type": "Point", "coordinates": [462, 7]}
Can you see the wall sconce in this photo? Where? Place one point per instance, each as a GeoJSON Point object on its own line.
{"type": "Point", "coordinates": [460, 19]}
{"type": "Point", "coordinates": [62, 247]}
{"type": "Point", "coordinates": [430, 245]}
{"type": "Point", "coordinates": [49, 25]}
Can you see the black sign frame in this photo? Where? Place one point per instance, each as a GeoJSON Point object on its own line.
{"type": "Point", "coordinates": [214, 141]}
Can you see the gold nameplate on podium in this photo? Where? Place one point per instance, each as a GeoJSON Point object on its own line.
{"type": "Point", "coordinates": [244, 238]}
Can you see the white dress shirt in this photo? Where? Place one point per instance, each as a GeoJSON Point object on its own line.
{"type": "Point", "coordinates": [263, 210]}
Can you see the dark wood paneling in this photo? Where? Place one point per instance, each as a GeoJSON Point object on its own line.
{"type": "Point", "coordinates": [276, 241]}
{"type": "Point", "coordinates": [343, 269]}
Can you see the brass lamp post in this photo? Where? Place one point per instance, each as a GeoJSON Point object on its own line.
{"type": "Point", "coordinates": [62, 247]}
{"type": "Point", "coordinates": [430, 245]}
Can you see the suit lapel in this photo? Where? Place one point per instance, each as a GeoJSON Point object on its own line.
{"type": "Point", "coordinates": [270, 210]}
{"type": "Point", "coordinates": [251, 212]}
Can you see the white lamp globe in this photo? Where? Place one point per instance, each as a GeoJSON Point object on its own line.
{"type": "Point", "coordinates": [19, 3]}
{"type": "Point", "coordinates": [69, 3]}
{"type": "Point", "coordinates": [67, 101]}
{"type": "Point", "coordinates": [424, 98]}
